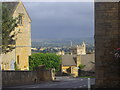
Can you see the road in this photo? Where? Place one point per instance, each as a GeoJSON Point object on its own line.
{"type": "Point", "coordinates": [62, 82]}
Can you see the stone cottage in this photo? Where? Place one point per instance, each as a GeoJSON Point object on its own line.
{"type": "Point", "coordinates": [69, 65]}
{"type": "Point", "coordinates": [23, 43]}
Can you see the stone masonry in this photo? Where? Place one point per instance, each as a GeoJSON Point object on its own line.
{"type": "Point", "coordinates": [19, 55]}
{"type": "Point", "coordinates": [107, 40]}
{"type": "Point", "coordinates": [14, 78]}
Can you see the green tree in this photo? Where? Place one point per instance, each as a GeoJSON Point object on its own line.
{"type": "Point", "coordinates": [50, 60]}
{"type": "Point", "coordinates": [8, 29]}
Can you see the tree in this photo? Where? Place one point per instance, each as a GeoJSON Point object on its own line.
{"type": "Point", "coordinates": [8, 29]}
{"type": "Point", "coordinates": [50, 60]}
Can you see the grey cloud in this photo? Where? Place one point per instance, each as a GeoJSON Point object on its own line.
{"type": "Point", "coordinates": [64, 20]}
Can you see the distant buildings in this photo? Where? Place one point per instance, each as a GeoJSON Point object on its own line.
{"type": "Point", "coordinates": [78, 56]}
{"type": "Point", "coordinates": [60, 53]}
{"type": "Point", "coordinates": [73, 49]}
{"type": "Point", "coordinates": [33, 48]}
{"type": "Point", "coordinates": [18, 58]}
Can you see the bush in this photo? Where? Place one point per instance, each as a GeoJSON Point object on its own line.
{"type": "Point", "coordinates": [81, 66]}
{"type": "Point", "coordinates": [50, 60]}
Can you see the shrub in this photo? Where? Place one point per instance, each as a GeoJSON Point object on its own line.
{"type": "Point", "coordinates": [50, 60]}
{"type": "Point", "coordinates": [81, 66]}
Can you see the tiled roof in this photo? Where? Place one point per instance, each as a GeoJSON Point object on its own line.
{"type": "Point", "coordinates": [88, 60]}
{"type": "Point", "coordinates": [68, 60]}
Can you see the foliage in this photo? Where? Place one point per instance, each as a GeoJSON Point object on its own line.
{"type": "Point", "coordinates": [8, 29]}
{"type": "Point", "coordinates": [50, 60]}
{"type": "Point", "coordinates": [81, 66]}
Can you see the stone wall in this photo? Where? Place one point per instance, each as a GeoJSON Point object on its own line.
{"type": "Point", "coordinates": [23, 42]}
{"type": "Point", "coordinates": [107, 40]}
{"type": "Point", "coordinates": [22, 49]}
{"type": "Point", "coordinates": [86, 73]}
{"type": "Point", "coordinates": [13, 78]}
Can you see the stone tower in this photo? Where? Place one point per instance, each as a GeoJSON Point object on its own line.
{"type": "Point", "coordinates": [79, 49]}
{"type": "Point", "coordinates": [84, 48]}
{"type": "Point", "coordinates": [107, 40]}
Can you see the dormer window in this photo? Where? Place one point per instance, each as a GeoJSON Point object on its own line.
{"type": "Point", "coordinates": [20, 19]}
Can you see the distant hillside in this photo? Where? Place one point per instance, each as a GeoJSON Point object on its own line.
{"type": "Point", "coordinates": [62, 42]}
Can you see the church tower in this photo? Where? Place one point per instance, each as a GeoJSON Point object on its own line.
{"type": "Point", "coordinates": [79, 49]}
{"type": "Point", "coordinates": [84, 47]}
{"type": "Point", "coordinates": [83, 44]}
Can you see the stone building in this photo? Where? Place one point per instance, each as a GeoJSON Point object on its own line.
{"type": "Point", "coordinates": [79, 49]}
{"type": "Point", "coordinates": [23, 43]}
{"type": "Point", "coordinates": [107, 40]}
{"type": "Point", "coordinates": [70, 63]}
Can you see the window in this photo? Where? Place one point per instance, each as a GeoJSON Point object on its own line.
{"type": "Point", "coordinates": [20, 19]}
{"type": "Point", "coordinates": [18, 59]}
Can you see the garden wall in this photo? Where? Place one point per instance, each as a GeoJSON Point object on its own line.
{"type": "Point", "coordinates": [13, 78]}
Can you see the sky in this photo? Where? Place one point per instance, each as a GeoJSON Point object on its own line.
{"type": "Point", "coordinates": [61, 19]}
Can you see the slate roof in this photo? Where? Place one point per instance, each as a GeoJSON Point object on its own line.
{"type": "Point", "coordinates": [88, 60]}
{"type": "Point", "coordinates": [11, 6]}
{"type": "Point", "coordinates": [68, 60]}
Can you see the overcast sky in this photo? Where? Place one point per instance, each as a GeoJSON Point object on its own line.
{"type": "Point", "coordinates": [61, 19]}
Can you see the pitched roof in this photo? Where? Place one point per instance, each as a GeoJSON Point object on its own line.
{"type": "Point", "coordinates": [88, 60]}
{"type": "Point", "coordinates": [11, 6]}
{"type": "Point", "coordinates": [68, 60]}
